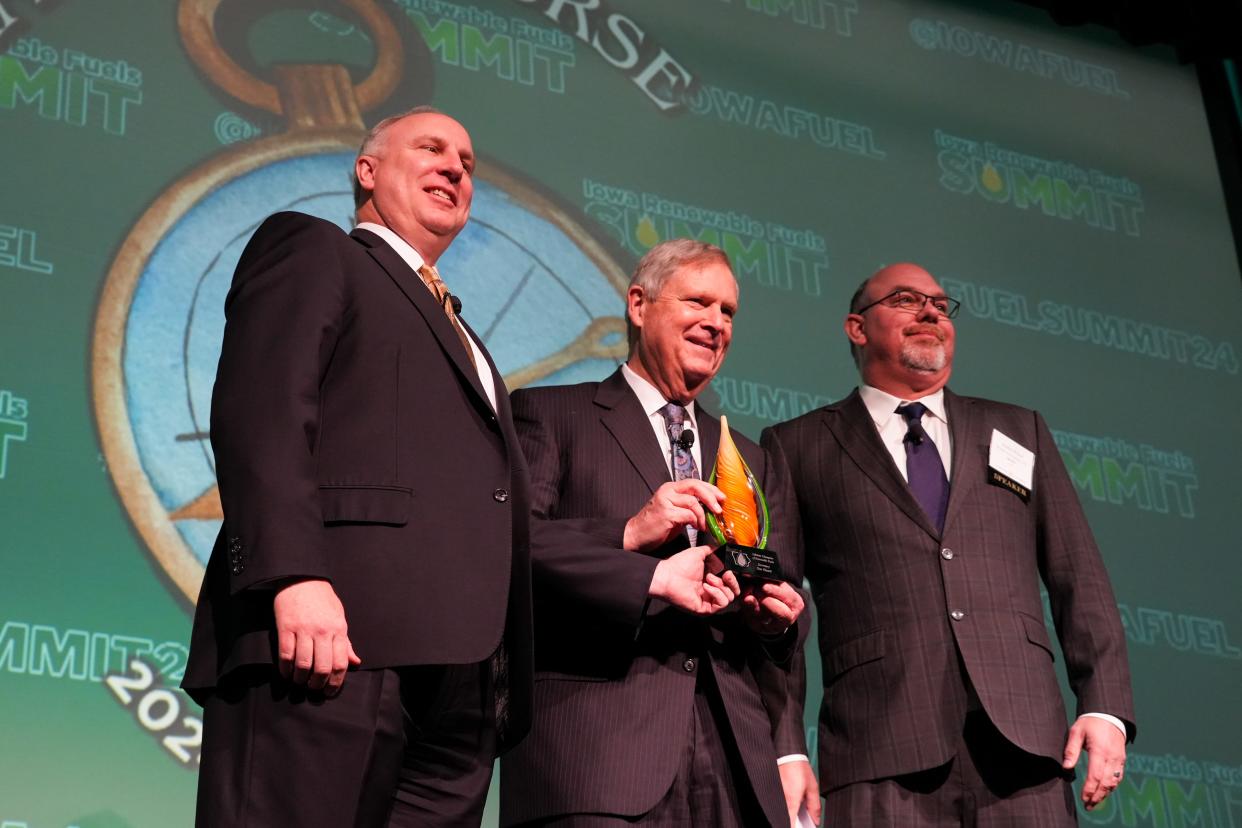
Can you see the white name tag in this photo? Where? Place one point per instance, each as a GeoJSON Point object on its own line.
{"type": "Point", "coordinates": [1011, 459]}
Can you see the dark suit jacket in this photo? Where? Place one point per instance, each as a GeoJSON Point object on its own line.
{"type": "Point", "coordinates": [354, 442]}
{"type": "Point", "coordinates": [613, 709]}
{"type": "Point", "coordinates": [885, 583]}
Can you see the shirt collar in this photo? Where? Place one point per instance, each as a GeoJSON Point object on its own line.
{"type": "Point", "coordinates": [403, 249]}
{"type": "Point", "coordinates": [649, 397]}
{"type": "Point", "coordinates": [882, 406]}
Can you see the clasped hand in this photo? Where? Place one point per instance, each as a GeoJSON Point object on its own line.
{"type": "Point", "coordinates": [771, 608]}
{"type": "Point", "coordinates": [693, 579]}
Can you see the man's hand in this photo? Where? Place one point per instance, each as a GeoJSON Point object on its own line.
{"type": "Point", "coordinates": [1106, 756]}
{"type": "Point", "coordinates": [673, 507]}
{"type": "Point", "coordinates": [683, 581]}
{"type": "Point", "coordinates": [801, 788]}
{"type": "Point", "coordinates": [771, 608]}
{"type": "Point", "coordinates": [312, 641]}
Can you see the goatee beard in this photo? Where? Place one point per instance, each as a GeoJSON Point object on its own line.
{"type": "Point", "coordinates": [929, 359]}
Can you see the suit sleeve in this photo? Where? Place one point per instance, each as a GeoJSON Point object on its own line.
{"type": "Point", "coordinates": [1084, 609]}
{"type": "Point", "coordinates": [782, 682]}
{"type": "Point", "coordinates": [282, 319]}
{"type": "Point", "coordinates": [579, 559]}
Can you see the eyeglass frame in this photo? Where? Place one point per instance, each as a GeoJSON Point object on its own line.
{"type": "Point", "coordinates": [954, 304]}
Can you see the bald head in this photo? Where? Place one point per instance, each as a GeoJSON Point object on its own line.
{"type": "Point", "coordinates": [901, 341]}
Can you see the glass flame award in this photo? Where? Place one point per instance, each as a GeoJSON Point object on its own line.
{"type": "Point", "coordinates": [741, 530]}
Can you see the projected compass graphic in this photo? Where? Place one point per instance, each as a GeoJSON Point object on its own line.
{"type": "Point", "coordinates": [538, 288]}
{"type": "Point", "coordinates": [547, 309]}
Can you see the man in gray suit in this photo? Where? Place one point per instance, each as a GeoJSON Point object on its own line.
{"type": "Point", "coordinates": [645, 713]}
{"type": "Point", "coordinates": [930, 520]}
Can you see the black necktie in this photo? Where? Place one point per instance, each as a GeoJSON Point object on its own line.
{"type": "Point", "coordinates": [924, 471]}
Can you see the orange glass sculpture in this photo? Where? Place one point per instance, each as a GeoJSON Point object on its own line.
{"type": "Point", "coordinates": [744, 516]}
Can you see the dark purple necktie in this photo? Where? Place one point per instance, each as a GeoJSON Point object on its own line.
{"type": "Point", "coordinates": [924, 471]}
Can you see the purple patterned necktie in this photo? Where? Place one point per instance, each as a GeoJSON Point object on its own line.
{"type": "Point", "coordinates": [683, 461]}
{"type": "Point", "coordinates": [924, 471]}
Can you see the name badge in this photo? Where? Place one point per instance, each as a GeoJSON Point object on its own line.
{"type": "Point", "coordinates": [1011, 465]}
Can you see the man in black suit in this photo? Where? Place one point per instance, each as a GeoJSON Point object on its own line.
{"type": "Point", "coordinates": [930, 521]}
{"type": "Point", "coordinates": [362, 641]}
{"type": "Point", "coordinates": [645, 713]}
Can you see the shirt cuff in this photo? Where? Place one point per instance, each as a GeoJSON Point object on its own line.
{"type": "Point", "coordinates": [793, 757]}
{"type": "Point", "coordinates": [1120, 725]}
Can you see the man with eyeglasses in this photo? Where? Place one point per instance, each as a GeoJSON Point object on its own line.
{"type": "Point", "coordinates": [929, 521]}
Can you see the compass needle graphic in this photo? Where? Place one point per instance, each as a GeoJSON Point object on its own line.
{"type": "Point", "coordinates": [204, 507]}
{"type": "Point", "coordinates": [603, 338]}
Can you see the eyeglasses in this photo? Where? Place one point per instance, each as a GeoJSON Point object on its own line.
{"type": "Point", "coordinates": [908, 300]}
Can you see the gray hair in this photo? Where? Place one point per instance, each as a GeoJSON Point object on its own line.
{"type": "Point", "coordinates": [375, 137]}
{"type": "Point", "coordinates": [662, 261]}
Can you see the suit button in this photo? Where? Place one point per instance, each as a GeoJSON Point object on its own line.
{"type": "Point", "coordinates": [957, 615]}
{"type": "Point", "coordinates": [688, 665]}
{"type": "Point", "coordinates": [946, 553]}
{"type": "Point", "coordinates": [500, 495]}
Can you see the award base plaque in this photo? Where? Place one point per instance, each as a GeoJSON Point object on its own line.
{"type": "Point", "coordinates": [748, 562]}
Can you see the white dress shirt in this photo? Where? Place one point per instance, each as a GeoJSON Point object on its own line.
{"type": "Point", "coordinates": [882, 406]}
{"type": "Point", "coordinates": [652, 401]}
{"type": "Point", "coordinates": [415, 260]}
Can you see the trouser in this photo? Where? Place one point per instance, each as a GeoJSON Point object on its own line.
{"type": "Point", "coordinates": [990, 783]}
{"type": "Point", "coordinates": [711, 788]}
{"type": "Point", "coordinates": [397, 747]}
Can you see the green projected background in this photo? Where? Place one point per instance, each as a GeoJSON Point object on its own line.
{"type": "Point", "coordinates": [1060, 183]}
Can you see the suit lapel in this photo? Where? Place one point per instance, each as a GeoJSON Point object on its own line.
{"type": "Point", "coordinates": [504, 409]}
{"type": "Point", "coordinates": [854, 430]}
{"type": "Point", "coordinates": [498, 382]}
{"type": "Point", "coordinates": [966, 474]}
{"type": "Point", "coordinates": [412, 286]}
{"type": "Point", "coordinates": [628, 424]}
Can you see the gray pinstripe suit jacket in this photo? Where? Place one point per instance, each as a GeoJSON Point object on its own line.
{"type": "Point", "coordinates": [613, 709]}
{"type": "Point", "coordinates": [885, 582]}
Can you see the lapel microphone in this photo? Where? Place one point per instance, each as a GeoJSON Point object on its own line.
{"type": "Point", "coordinates": [686, 440]}
{"type": "Point", "coordinates": [454, 302]}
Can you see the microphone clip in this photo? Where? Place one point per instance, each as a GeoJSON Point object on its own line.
{"type": "Point", "coordinates": [685, 440]}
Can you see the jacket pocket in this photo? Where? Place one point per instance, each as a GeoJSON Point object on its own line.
{"type": "Point", "coordinates": [360, 503]}
{"type": "Point", "coordinates": [1037, 633]}
{"type": "Point", "coordinates": [844, 657]}
{"type": "Point", "coordinates": [553, 675]}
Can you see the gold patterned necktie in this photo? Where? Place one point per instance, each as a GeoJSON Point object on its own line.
{"type": "Point", "coordinates": [431, 278]}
